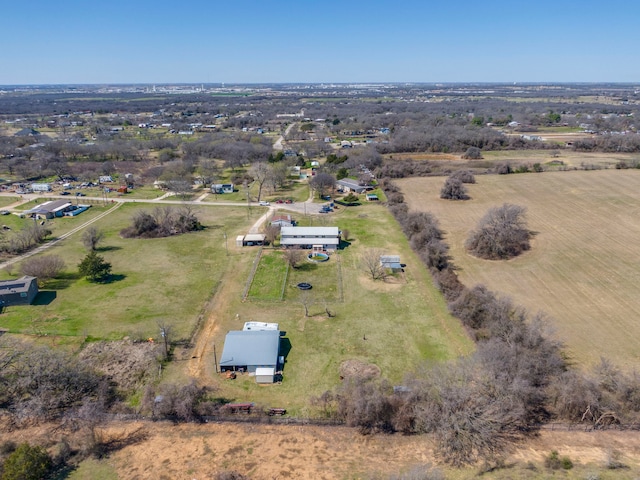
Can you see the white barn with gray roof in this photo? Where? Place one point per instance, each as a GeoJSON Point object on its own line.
{"type": "Point", "coordinates": [248, 350]}
{"type": "Point", "coordinates": [328, 238]}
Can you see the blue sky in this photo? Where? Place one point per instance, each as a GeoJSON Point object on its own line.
{"type": "Point", "coordinates": [204, 41]}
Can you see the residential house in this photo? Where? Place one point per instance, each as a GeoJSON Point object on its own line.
{"type": "Point", "coordinates": [222, 188]}
{"type": "Point", "coordinates": [349, 185]}
{"type": "Point", "coordinates": [51, 209]}
{"type": "Point", "coordinates": [282, 220]}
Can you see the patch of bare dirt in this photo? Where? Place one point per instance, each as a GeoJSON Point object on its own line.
{"type": "Point", "coordinates": [356, 369]}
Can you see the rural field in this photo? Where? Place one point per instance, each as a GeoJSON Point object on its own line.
{"type": "Point", "coordinates": [162, 450]}
{"type": "Point", "coordinates": [583, 267]}
{"type": "Point", "coordinates": [154, 280]}
{"type": "Point", "coordinates": [390, 326]}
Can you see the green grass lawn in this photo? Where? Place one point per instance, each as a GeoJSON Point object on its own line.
{"type": "Point", "coordinates": [396, 325]}
{"type": "Point", "coordinates": [6, 200]}
{"type": "Point", "coordinates": [269, 277]}
{"type": "Point", "coordinates": [167, 279]}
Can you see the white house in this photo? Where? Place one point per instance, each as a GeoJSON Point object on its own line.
{"type": "Point", "coordinates": [41, 187]}
{"type": "Point", "coordinates": [282, 220]}
{"type": "Point", "coordinates": [222, 188]}
{"type": "Point", "coordinates": [317, 238]}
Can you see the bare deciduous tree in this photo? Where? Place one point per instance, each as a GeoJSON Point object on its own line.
{"type": "Point", "coordinates": [260, 172]}
{"type": "Point", "coordinates": [322, 183]}
{"type": "Point", "coordinates": [271, 232]}
{"type": "Point", "coordinates": [502, 233]}
{"type": "Point", "coordinates": [92, 237]}
{"type": "Point", "coordinates": [306, 300]}
{"type": "Point", "coordinates": [370, 263]}
{"type": "Point", "coordinates": [293, 256]}
{"type": "Point", "coordinates": [44, 268]}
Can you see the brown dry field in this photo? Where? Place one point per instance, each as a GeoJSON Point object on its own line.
{"type": "Point", "coordinates": [265, 452]}
{"type": "Point", "coordinates": [584, 264]}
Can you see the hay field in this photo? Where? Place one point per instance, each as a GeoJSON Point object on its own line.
{"type": "Point", "coordinates": [584, 265]}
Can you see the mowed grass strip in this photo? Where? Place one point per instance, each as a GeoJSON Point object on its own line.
{"type": "Point", "coordinates": [154, 280]}
{"type": "Point", "coordinates": [584, 264]}
{"type": "Point", "coordinates": [269, 278]}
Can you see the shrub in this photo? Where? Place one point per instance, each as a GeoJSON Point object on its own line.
{"type": "Point", "coordinates": [503, 169]}
{"type": "Point", "coordinates": [502, 233]}
{"type": "Point", "coordinates": [27, 463]}
{"type": "Point", "coordinates": [44, 268]}
{"type": "Point", "coordinates": [454, 189]}
{"type": "Point", "coordinates": [94, 267]}
{"type": "Point", "coordinates": [465, 176]}
{"type": "Point", "coordinates": [555, 462]}
{"type": "Point", "coordinates": [472, 153]}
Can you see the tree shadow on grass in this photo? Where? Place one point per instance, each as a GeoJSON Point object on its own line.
{"type": "Point", "coordinates": [44, 298]}
{"type": "Point", "coordinates": [306, 267]}
{"type": "Point", "coordinates": [62, 281]}
{"type": "Point", "coordinates": [114, 277]}
{"type": "Point", "coordinates": [110, 248]}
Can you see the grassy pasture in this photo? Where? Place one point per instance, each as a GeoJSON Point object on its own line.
{"type": "Point", "coordinates": [395, 325]}
{"type": "Point", "coordinates": [166, 279]}
{"type": "Point", "coordinates": [584, 265]}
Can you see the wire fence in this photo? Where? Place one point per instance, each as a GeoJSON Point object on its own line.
{"type": "Point", "coordinates": [254, 268]}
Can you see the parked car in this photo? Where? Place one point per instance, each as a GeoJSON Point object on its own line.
{"type": "Point", "coordinates": [64, 192]}
{"type": "Point", "coordinates": [262, 203]}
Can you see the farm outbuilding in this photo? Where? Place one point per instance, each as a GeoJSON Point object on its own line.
{"type": "Point", "coordinates": [248, 350]}
{"type": "Point", "coordinates": [253, 239]}
{"type": "Point", "coordinates": [265, 375]}
{"type": "Point", "coordinates": [51, 209]}
{"type": "Point", "coordinates": [390, 261]}
{"type": "Point", "coordinates": [323, 238]}
{"type": "Point", "coordinates": [21, 291]}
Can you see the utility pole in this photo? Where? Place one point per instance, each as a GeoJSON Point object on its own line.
{"type": "Point", "coordinates": [226, 247]}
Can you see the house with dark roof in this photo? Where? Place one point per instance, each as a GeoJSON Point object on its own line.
{"type": "Point", "coordinates": [26, 132]}
{"type": "Point", "coordinates": [51, 209]}
{"type": "Point", "coordinates": [21, 291]}
{"type": "Point", "coordinates": [250, 351]}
